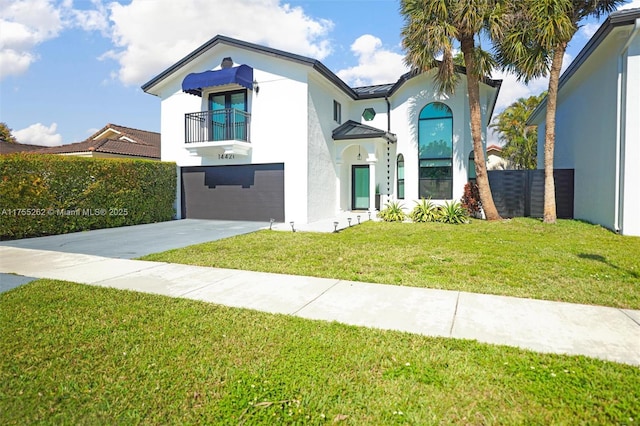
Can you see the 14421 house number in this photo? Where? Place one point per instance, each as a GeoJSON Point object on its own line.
{"type": "Point", "coordinates": [226, 156]}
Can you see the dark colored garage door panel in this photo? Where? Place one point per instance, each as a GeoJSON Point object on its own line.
{"type": "Point", "coordinates": [246, 192]}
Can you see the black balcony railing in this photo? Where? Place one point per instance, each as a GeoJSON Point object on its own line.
{"type": "Point", "coordinates": [214, 126]}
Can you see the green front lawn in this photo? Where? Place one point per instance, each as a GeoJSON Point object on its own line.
{"type": "Point", "coordinates": [570, 261]}
{"type": "Point", "coordinates": [75, 354]}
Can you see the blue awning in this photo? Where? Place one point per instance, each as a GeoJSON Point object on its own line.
{"type": "Point", "coordinates": [195, 82]}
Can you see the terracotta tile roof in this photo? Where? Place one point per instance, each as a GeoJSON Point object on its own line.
{"type": "Point", "coordinates": [111, 139]}
{"type": "Point", "coordinates": [11, 148]}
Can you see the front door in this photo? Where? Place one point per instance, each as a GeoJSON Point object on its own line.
{"type": "Point", "coordinates": [360, 187]}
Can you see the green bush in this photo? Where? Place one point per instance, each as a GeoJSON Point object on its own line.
{"type": "Point", "coordinates": [424, 211]}
{"type": "Point", "coordinates": [453, 212]}
{"type": "Point", "coordinates": [51, 194]}
{"type": "Point", "coordinates": [392, 212]}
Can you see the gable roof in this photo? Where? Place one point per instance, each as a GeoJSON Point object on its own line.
{"type": "Point", "coordinates": [367, 92]}
{"type": "Point", "coordinates": [354, 130]}
{"type": "Point", "coordinates": [616, 19]}
{"type": "Point", "coordinates": [113, 139]}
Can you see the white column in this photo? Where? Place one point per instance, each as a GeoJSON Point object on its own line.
{"type": "Point", "coordinates": [338, 168]}
{"type": "Point", "coordinates": [372, 184]}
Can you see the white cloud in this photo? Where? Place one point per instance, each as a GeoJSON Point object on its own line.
{"type": "Point", "coordinates": [588, 30]}
{"type": "Point", "coordinates": [90, 20]}
{"type": "Point", "coordinates": [39, 134]}
{"type": "Point", "coordinates": [151, 35]}
{"type": "Point", "coordinates": [376, 65]}
{"type": "Point", "coordinates": [631, 5]}
{"type": "Point", "coordinates": [25, 24]}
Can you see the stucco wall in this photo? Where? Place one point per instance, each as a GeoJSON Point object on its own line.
{"type": "Point", "coordinates": [321, 172]}
{"type": "Point", "coordinates": [631, 146]}
{"type": "Point", "coordinates": [406, 106]}
{"type": "Point", "coordinates": [278, 120]}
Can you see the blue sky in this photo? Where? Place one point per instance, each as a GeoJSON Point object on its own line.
{"type": "Point", "coordinates": [69, 67]}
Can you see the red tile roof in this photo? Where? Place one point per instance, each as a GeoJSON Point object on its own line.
{"type": "Point", "coordinates": [111, 139]}
{"type": "Point", "coordinates": [12, 148]}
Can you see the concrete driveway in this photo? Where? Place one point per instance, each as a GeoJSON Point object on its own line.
{"type": "Point", "coordinates": [129, 242]}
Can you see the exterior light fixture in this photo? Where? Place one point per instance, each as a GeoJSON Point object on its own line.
{"type": "Point", "coordinates": [256, 88]}
{"type": "Point", "coordinates": [359, 155]}
{"type": "Point", "coordinates": [349, 220]}
{"type": "Point", "coordinates": [271, 223]}
{"type": "Point", "coordinates": [335, 226]}
{"type": "Point", "coordinates": [358, 219]}
{"type": "Point", "coordinates": [292, 228]}
{"type": "Point", "coordinates": [369, 213]}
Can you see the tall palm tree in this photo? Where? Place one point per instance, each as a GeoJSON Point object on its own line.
{"type": "Point", "coordinates": [533, 44]}
{"type": "Point", "coordinates": [430, 30]}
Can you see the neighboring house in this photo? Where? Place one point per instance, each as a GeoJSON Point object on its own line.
{"type": "Point", "coordinates": [113, 141]}
{"type": "Point", "coordinates": [12, 148]}
{"type": "Point", "coordinates": [262, 134]}
{"type": "Point", "coordinates": [495, 161]}
{"type": "Point", "coordinates": [598, 125]}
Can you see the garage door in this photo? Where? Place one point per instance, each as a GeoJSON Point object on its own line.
{"type": "Point", "coordinates": [244, 192]}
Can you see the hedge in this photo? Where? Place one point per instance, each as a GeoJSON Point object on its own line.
{"type": "Point", "coordinates": [53, 194]}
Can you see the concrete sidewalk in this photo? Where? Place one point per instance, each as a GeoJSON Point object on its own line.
{"type": "Point", "coordinates": [601, 332]}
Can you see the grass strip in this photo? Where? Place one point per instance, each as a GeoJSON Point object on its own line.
{"type": "Point", "coordinates": [76, 354]}
{"type": "Point", "coordinates": [571, 261]}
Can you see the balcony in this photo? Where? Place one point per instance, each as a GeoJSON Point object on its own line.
{"type": "Point", "coordinates": [225, 131]}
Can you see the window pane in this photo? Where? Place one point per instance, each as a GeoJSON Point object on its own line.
{"type": "Point", "coordinates": [436, 138]}
{"type": "Point", "coordinates": [236, 101]}
{"type": "Point", "coordinates": [435, 152]}
{"type": "Point", "coordinates": [435, 110]}
{"type": "Point", "coordinates": [438, 189]}
{"type": "Point", "coordinates": [217, 102]}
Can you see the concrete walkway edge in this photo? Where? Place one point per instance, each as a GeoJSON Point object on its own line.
{"type": "Point", "coordinates": [551, 327]}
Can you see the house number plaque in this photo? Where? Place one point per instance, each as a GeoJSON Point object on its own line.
{"type": "Point", "coordinates": [226, 156]}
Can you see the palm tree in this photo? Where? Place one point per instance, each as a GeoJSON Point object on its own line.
{"type": "Point", "coordinates": [431, 28]}
{"type": "Point", "coordinates": [533, 44]}
{"type": "Point", "coordinates": [520, 139]}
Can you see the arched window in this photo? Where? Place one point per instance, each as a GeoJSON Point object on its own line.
{"type": "Point", "coordinates": [400, 170]}
{"type": "Point", "coordinates": [472, 167]}
{"type": "Point", "coordinates": [435, 152]}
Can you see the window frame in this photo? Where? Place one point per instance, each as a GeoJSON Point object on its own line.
{"type": "Point", "coordinates": [337, 112]}
{"type": "Point", "coordinates": [399, 180]}
{"type": "Point", "coordinates": [446, 163]}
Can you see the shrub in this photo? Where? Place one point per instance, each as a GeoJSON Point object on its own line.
{"type": "Point", "coordinates": [471, 199]}
{"type": "Point", "coordinates": [392, 212]}
{"type": "Point", "coordinates": [51, 194]}
{"type": "Point", "coordinates": [453, 212]}
{"type": "Point", "coordinates": [424, 211]}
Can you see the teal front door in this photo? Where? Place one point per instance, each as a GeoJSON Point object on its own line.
{"type": "Point", "coordinates": [360, 188]}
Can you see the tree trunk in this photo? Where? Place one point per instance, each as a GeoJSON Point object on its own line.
{"type": "Point", "coordinates": [473, 87]}
{"type": "Point", "coordinates": [550, 135]}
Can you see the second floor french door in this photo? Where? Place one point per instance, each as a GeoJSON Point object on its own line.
{"type": "Point", "coordinates": [228, 118]}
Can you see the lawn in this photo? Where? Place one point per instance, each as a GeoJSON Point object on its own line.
{"type": "Point", "coordinates": [571, 261]}
{"type": "Point", "coordinates": [75, 354]}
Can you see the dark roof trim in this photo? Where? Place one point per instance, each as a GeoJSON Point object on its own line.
{"type": "Point", "coordinates": [616, 19]}
{"type": "Point", "coordinates": [219, 39]}
{"type": "Point", "coordinates": [355, 94]}
{"type": "Point", "coordinates": [354, 130]}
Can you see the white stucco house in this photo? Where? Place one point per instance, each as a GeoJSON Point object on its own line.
{"type": "Point", "coordinates": [598, 125]}
{"type": "Point", "coordinates": [259, 134]}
